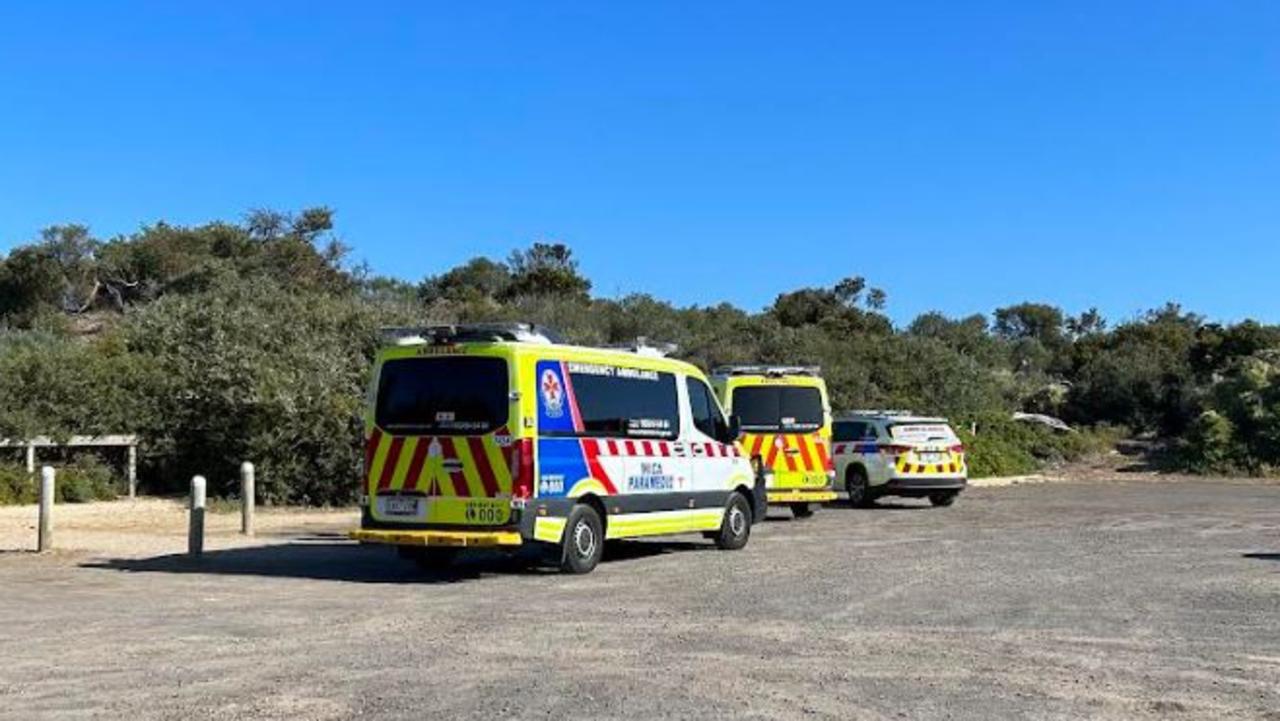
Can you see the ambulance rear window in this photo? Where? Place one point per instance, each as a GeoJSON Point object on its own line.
{"type": "Point", "coordinates": [460, 395]}
{"type": "Point", "coordinates": [778, 408]}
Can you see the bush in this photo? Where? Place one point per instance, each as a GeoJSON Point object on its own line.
{"type": "Point", "coordinates": [15, 485]}
{"type": "Point", "coordinates": [84, 479]}
{"type": "Point", "coordinates": [1006, 447]}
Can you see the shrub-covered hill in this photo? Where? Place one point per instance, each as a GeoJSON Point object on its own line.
{"type": "Point", "coordinates": [252, 340]}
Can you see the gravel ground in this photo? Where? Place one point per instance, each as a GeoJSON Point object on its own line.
{"type": "Point", "coordinates": [1031, 601]}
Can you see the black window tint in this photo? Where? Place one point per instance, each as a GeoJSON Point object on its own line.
{"type": "Point", "coordinates": [778, 408]}
{"type": "Point", "coordinates": [706, 412]}
{"type": "Point", "coordinates": [848, 431]}
{"type": "Point", "coordinates": [443, 396]}
{"type": "Point", "coordinates": [641, 404]}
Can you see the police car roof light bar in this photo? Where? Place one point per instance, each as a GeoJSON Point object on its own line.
{"type": "Point", "coordinates": [879, 412]}
{"type": "Point", "coordinates": [470, 333]}
{"type": "Point", "coordinates": [763, 370]}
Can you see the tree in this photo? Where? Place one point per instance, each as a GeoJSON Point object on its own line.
{"type": "Point", "coordinates": [545, 269]}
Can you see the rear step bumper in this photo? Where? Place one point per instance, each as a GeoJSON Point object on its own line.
{"type": "Point", "coordinates": [800, 495]}
{"type": "Point", "coordinates": [452, 539]}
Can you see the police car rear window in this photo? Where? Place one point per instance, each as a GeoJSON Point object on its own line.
{"type": "Point", "coordinates": [443, 395]}
{"type": "Point", "coordinates": [921, 432]}
{"type": "Point", "coordinates": [778, 408]}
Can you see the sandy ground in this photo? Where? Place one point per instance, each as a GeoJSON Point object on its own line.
{"type": "Point", "coordinates": [149, 526]}
{"type": "Point", "coordinates": [1050, 601]}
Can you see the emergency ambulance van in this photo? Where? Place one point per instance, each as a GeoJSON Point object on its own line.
{"type": "Point", "coordinates": [898, 453]}
{"type": "Point", "coordinates": [785, 419]}
{"type": "Point", "coordinates": [497, 435]}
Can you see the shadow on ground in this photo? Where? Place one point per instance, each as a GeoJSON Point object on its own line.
{"type": "Point", "coordinates": [1262, 556]}
{"type": "Point", "coordinates": [327, 558]}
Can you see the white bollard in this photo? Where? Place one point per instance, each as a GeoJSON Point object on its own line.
{"type": "Point", "coordinates": [247, 498]}
{"type": "Point", "coordinates": [195, 533]}
{"type": "Point", "coordinates": [44, 541]}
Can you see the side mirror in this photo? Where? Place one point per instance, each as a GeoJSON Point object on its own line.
{"type": "Point", "coordinates": [733, 430]}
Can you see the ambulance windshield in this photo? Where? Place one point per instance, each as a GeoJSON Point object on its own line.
{"type": "Point", "coordinates": [786, 409]}
{"type": "Point", "coordinates": [459, 395]}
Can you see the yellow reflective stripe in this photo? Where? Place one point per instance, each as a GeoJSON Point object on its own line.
{"type": "Point", "coordinates": [433, 470]}
{"type": "Point", "coordinates": [498, 462]}
{"type": "Point", "coordinates": [462, 449]}
{"type": "Point", "coordinates": [664, 522]}
{"type": "Point", "coordinates": [401, 471]}
{"type": "Point", "coordinates": [549, 528]}
{"type": "Point", "coordinates": [379, 460]}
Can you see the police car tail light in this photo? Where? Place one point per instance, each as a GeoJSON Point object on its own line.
{"type": "Point", "coordinates": [957, 448]}
{"type": "Point", "coordinates": [895, 450]}
{"type": "Point", "coordinates": [522, 474]}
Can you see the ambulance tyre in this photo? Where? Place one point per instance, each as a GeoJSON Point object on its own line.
{"type": "Point", "coordinates": [583, 543]}
{"type": "Point", "coordinates": [943, 498]}
{"type": "Point", "coordinates": [735, 529]}
{"type": "Point", "coordinates": [802, 510]}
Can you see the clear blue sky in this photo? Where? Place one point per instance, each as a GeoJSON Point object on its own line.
{"type": "Point", "coordinates": [962, 155]}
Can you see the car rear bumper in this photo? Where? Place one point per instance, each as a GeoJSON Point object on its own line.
{"type": "Point", "coordinates": [922, 485]}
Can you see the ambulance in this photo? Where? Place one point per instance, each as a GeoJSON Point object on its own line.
{"type": "Point", "coordinates": [785, 418]}
{"type": "Point", "coordinates": [898, 453]}
{"type": "Point", "coordinates": [500, 436]}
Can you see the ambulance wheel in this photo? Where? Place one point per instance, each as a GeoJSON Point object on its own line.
{"type": "Point", "coordinates": [945, 498]}
{"type": "Point", "coordinates": [802, 510]}
{"type": "Point", "coordinates": [735, 529]}
{"type": "Point", "coordinates": [855, 484]}
{"type": "Point", "coordinates": [583, 543]}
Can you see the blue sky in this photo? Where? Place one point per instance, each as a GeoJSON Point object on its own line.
{"type": "Point", "coordinates": [961, 155]}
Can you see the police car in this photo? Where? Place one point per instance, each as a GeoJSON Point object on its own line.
{"type": "Point", "coordinates": [500, 436]}
{"type": "Point", "coordinates": [897, 453]}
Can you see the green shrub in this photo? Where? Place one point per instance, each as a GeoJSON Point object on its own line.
{"type": "Point", "coordinates": [15, 485]}
{"type": "Point", "coordinates": [85, 479]}
{"type": "Point", "coordinates": [1003, 446]}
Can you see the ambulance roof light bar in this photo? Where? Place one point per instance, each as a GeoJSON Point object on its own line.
{"type": "Point", "coordinates": [469, 333]}
{"type": "Point", "coordinates": [643, 346]}
{"type": "Point", "coordinates": [763, 370]}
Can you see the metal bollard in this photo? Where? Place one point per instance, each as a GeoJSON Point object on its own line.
{"type": "Point", "coordinates": [195, 533]}
{"type": "Point", "coordinates": [44, 540]}
{"type": "Point", "coordinates": [247, 498]}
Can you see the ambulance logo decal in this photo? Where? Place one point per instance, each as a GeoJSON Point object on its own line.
{"type": "Point", "coordinates": [552, 393]}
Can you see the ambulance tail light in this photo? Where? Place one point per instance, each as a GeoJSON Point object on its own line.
{"type": "Point", "coordinates": [522, 473]}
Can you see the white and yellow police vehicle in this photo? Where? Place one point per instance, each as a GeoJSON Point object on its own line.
{"type": "Point", "coordinates": [785, 419]}
{"type": "Point", "coordinates": [496, 435]}
{"type": "Point", "coordinates": [897, 453]}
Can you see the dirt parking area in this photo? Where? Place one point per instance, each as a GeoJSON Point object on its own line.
{"type": "Point", "coordinates": [1057, 600]}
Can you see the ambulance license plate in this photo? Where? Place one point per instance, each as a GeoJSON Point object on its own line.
{"type": "Point", "coordinates": [400, 506]}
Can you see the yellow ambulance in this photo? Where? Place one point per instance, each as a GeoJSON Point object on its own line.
{"type": "Point", "coordinates": [785, 418]}
{"type": "Point", "coordinates": [500, 436]}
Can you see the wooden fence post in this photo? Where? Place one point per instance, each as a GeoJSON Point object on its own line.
{"type": "Point", "coordinates": [247, 498]}
{"type": "Point", "coordinates": [195, 533]}
{"type": "Point", "coordinates": [44, 541]}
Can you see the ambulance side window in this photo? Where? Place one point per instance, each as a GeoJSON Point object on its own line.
{"type": "Point", "coordinates": [706, 414]}
{"type": "Point", "coordinates": [642, 405]}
